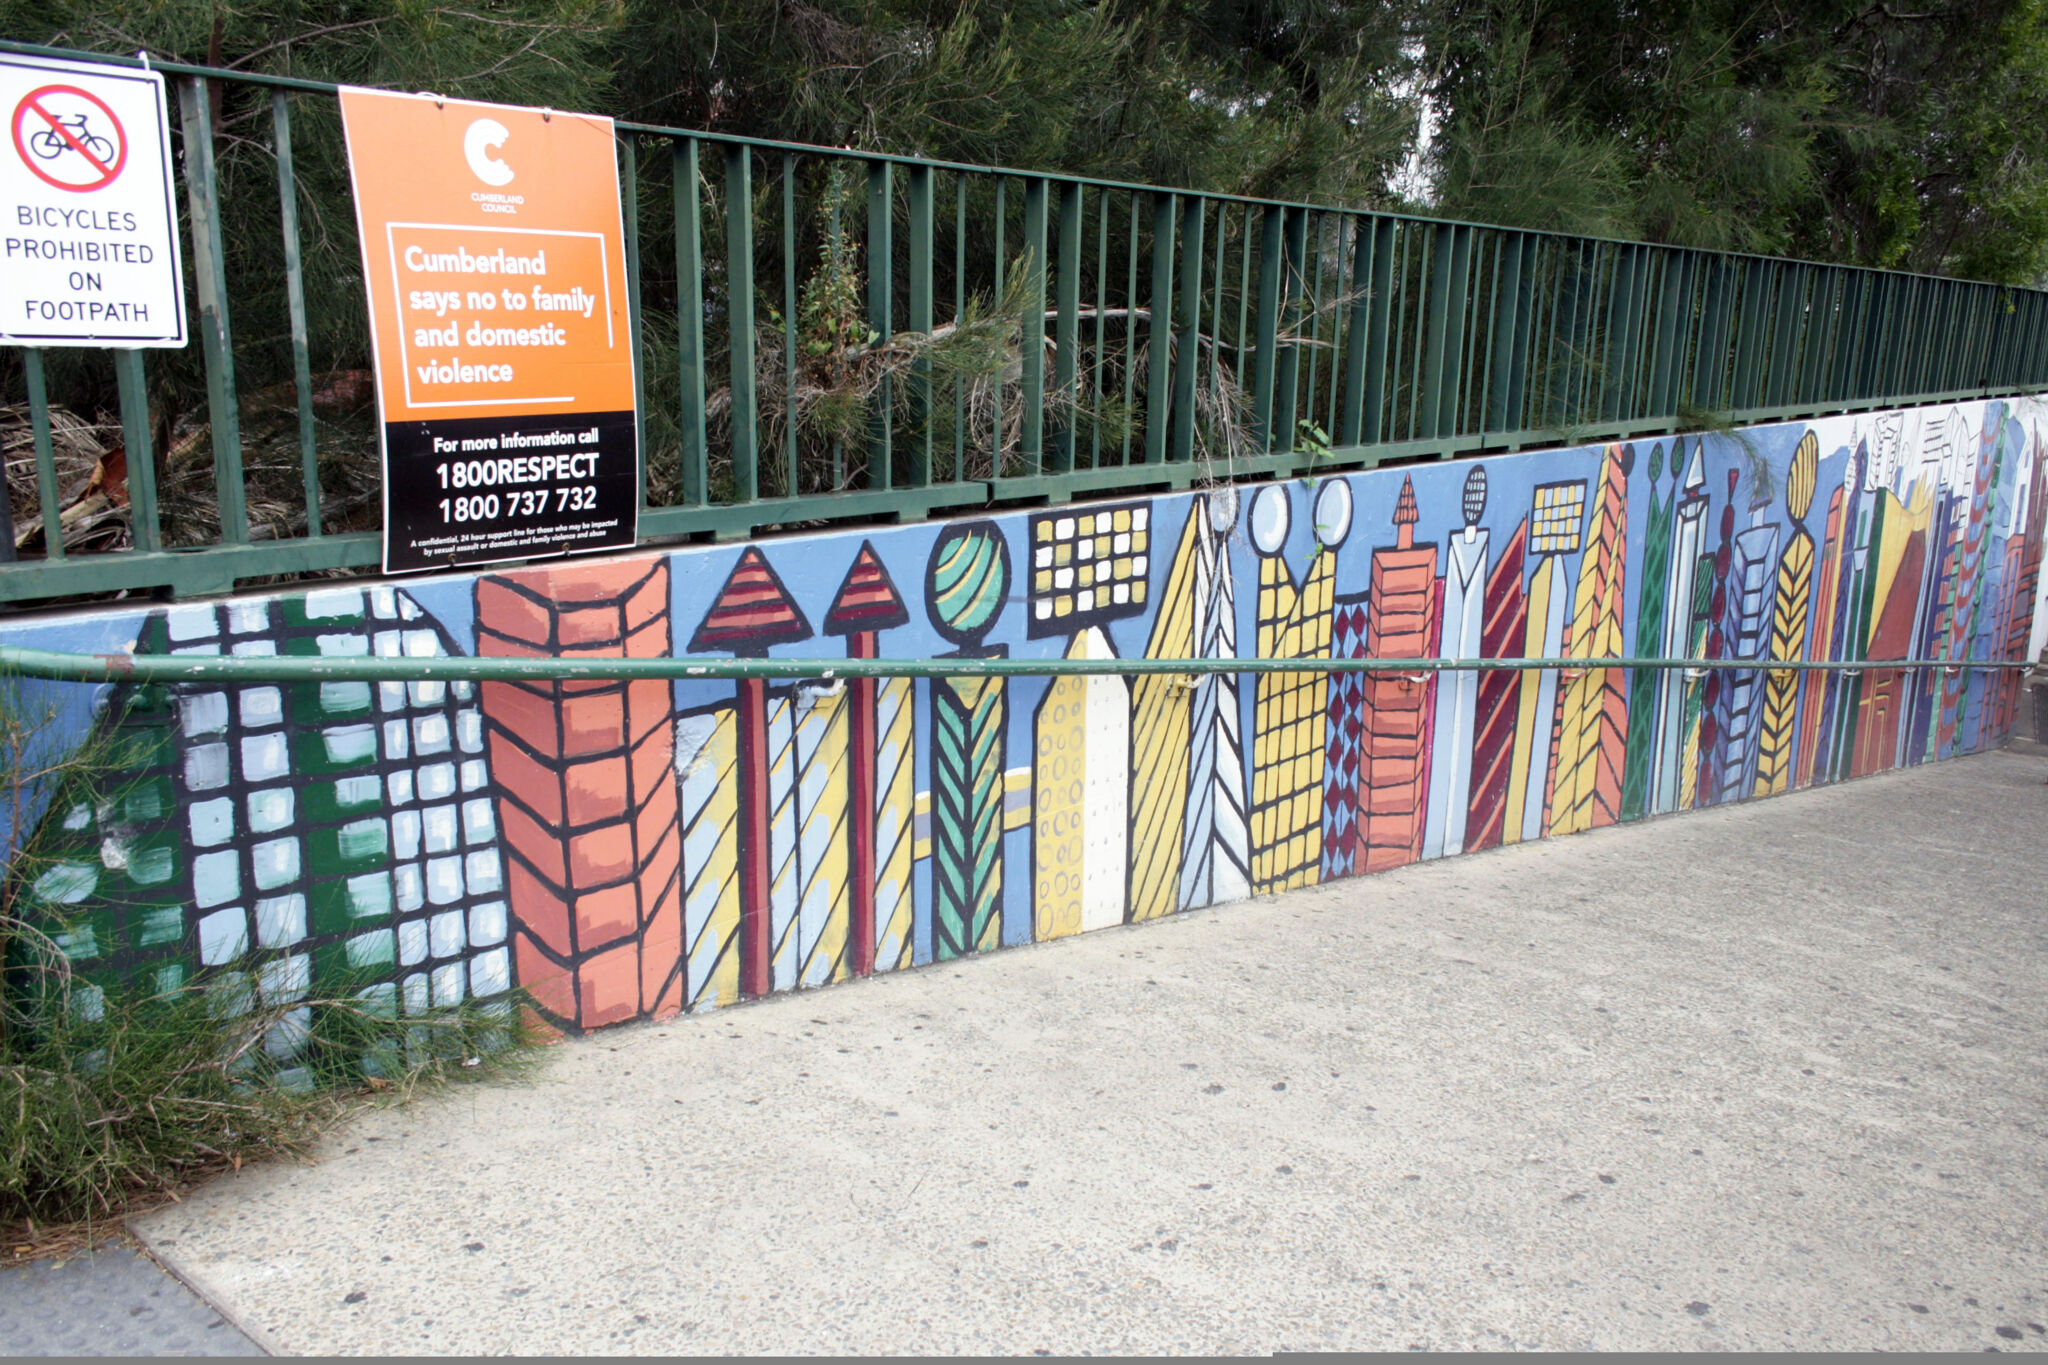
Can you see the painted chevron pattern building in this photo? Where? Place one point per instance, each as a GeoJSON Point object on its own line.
{"type": "Point", "coordinates": [606, 851]}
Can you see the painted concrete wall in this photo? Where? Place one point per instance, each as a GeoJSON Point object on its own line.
{"type": "Point", "coordinates": [625, 850]}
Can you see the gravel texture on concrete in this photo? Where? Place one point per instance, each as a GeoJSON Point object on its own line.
{"type": "Point", "coordinates": [109, 1302]}
{"type": "Point", "coordinates": [1767, 1076]}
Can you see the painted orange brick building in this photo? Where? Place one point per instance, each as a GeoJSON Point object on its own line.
{"type": "Point", "coordinates": [587, 792]}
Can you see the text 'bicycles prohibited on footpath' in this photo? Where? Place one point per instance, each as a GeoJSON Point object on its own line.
{"type": "Point", "coordinates": [88, 230]}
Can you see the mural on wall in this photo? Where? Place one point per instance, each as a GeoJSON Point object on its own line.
{"type": "Point", "coordinates": [628, 849]}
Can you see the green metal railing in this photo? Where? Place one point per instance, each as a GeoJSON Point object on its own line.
{"type": "Point", "coordinates": [1154, 338]}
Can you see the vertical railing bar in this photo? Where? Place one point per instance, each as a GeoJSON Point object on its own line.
{"type": "Point", "coordinates": [1620, 302]}
{"type": "Point", "coordinates": [210, 284]}
{"type": "Point", "coordinates": [1590, 262]}
{"type": "Point", "coordinates": [1686, 328]}
{"type": "Point", "coordinates": [1598, 284]}
{"type": "Point", "coordinates": [1953, 361]}
{"type": "Point", "coordinates": [1454, 330]}
{"type": "Point", "coordinates": [1748, 338]}
{"type": "Point", "coordinates": [1721, 303]}
{"type": "Point", "coordinates": [881, 252]}
{"type": "Point", "coordinates": [295, 304]}
{"type": "Point", "coordinates": [1384, 233]}
{"type": "Point", "coordinates": [1216, 308]}
{"type": "Point", "coordinates": [1934, 368]}
{"type": "Point", "coordinates": [1923, 355]}
{"type": "Point", "coordinates": [1812, 300]}
{"type": "Point", "coordinates": [739, 321]}
{"type": "Point", "coordinates": [2029, 339]}
{"type": "Point", "coordinates": [1787, 286]}
{"type": "Point", "coordinates": [995, 421]}
{"type": "Point", "coordinates": [1478, 394]}
{"type": "Point", "coordinates": [1672, 308]}
{"type": "Point", "coordinates": [1187, 364]}
{"type": "Point", "coordinates": [2026, 372]}
{"type": "Point", "coordinates": [1849, 336]}
{"type": "Point", "coordinates": [1130, 327]}
{"type": "Point", "coordinates": [1271, 255]}
{"type": "Point", "coordinates": [1158, 368]}
{"type": "Point", "coordinates": [1315, 299]}
{"type": "Point", "coordinates": [959, 311]}
{"type": "Point", "coordinates": [629, 195]}
{"type": "Point", "coordinates": [1694, 320]}
{"type": "Point", "coordinates": [1507, 321]}
{"type": "Point", "coordinates": [1324, 295]}
{"type": "Point", "coordinates": [1987, 305]}
{"type": "Point", "coordinates": [1966, 375]}
{"type": "Point", "coordinates": [691, 449]}
{"type": "Point", "coordinates": [46, 455]}
{"type": "Point", "coordinates": [1530, 255]}
{"type": "Point", "coordinates": [792, 472]}
{"type": "Point", "coordinates": [1351, 424]}
{"type": "Point", "coordinates": [1557, 371]}
{"type": "Point", "coordinates": [1101, 323]}
{"type": "Point", "coordinates": [1067, 328]}
{"type": "Point", "coordinates": [143, 514]}
{"type": "Point", "coordinates": [1878, 335]}
{"type": "Point", "coordinates": [1476, 356]}
{"type": "Point", "coordinates": [1870, 364]}
{"type": "Point", "coordinates": [1430, 266]}
{"type": "Point", "coordinates": [1031, 430]}
{"type": "Point", "coordinates": [1582, 367]}
{"type": "Point", "coordinates": [1821, 320]}
{"type": "Point", "coordinates": [1658, 269]}
{"type": "Point", "coordinates": [1287, 361]}
{"type": "Point", "coordinates": [1928, 360]}
{"type": "Point", "coordinates": [920, 193]}
{"type": "Point", "coordinates": [1449, 269]}
{"type": "Point", "coordinates": [1340, 319]}
{"type": "Point", "coordinates": [1960, 350]}
{"type": "Point", "coordinates": [1244, 295]}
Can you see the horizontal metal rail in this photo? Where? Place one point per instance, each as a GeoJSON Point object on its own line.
{"type": "Point", "coordinates": [1143, 338]}
{"type": "Point", "coordinates": [199, 668]}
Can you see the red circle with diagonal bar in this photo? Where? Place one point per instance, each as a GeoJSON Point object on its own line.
{"type": "Point", "coordinates": [69, 138]}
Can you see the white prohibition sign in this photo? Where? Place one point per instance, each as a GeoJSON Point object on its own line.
{"type": "Point", "coordinates": [92, 256]}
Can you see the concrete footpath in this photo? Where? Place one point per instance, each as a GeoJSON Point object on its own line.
{"type": "Point", "coordinates": [1773, 1076]}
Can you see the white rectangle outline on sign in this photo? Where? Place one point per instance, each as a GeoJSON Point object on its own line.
{"type": "Point", "coordinates": [604, 264]}
{"type": "Point", "coordinates": [155, 80]}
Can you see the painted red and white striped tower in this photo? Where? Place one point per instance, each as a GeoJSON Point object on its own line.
{"type": "Point", "coordinates": [867, 604]}
{"type": "Point", "coordinates": [753, 612]}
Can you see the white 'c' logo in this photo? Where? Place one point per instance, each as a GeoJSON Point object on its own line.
{"type": "Point", "coordinates": [483, 135]}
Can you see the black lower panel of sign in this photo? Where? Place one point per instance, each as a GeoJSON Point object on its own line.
{"type": "Point", "coordinates": [479, 490]}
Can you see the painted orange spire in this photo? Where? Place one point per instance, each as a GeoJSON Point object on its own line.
{"type": "Point", "coordinates": [1406, 514]}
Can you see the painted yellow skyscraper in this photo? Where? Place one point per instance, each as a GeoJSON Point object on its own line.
{"type": "Point", "coordinates": [1289, 710]}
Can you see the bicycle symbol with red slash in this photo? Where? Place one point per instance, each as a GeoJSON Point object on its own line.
{"type": "Point", "coordinates": [69, 138]}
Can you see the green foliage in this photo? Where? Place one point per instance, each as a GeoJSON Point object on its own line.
{"type": "Point", "coordinates": [1273, 97]}
{"type": "Point", "coordinates": [1902, 137]}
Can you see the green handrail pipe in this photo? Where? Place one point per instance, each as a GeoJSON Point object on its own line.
{"type": "Point", "coordinates": [189, 668]}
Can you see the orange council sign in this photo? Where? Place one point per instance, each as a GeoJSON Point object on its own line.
{"type": "Point", "coordinates": [495, 264]}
